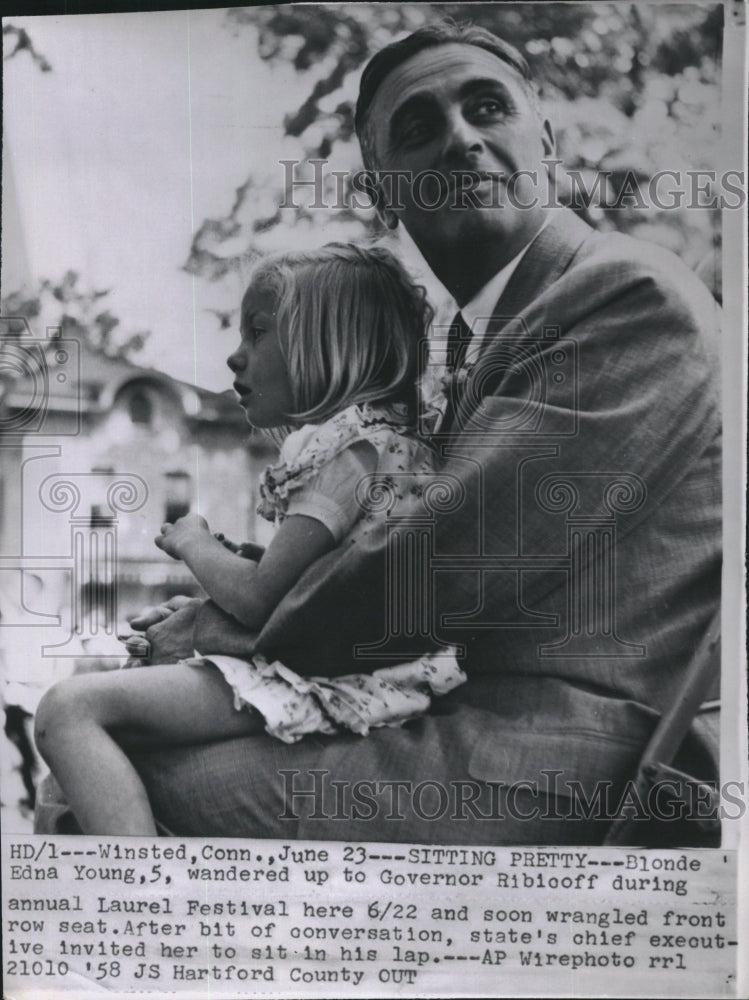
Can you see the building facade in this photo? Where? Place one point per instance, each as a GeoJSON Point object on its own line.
{"type": "Point", "coordinates": [96, 453]}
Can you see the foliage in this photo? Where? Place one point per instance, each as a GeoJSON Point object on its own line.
{"type": "Point", "coordinates": [80, 315]}
{"type": "Point", "coordinates": [23, 43]}
{"type": "Point", "coordinates": [631, 89]}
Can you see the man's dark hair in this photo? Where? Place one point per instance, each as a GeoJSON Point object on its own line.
{"type": "Point", "coordinates": [445, 32]}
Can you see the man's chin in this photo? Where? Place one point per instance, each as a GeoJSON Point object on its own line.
{"type": "Point", "coordinates": [463, 230]}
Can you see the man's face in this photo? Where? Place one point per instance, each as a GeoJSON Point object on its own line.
{"type": "Point", "coordinates": [455, 108]}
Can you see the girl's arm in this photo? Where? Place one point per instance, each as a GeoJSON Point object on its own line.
{"type": "Point", "coordinates": [247, 590]}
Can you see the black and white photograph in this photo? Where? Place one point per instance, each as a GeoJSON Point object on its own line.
{"type": "Point", "coordinates": [372, 483]}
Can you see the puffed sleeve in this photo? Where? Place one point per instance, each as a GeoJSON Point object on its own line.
{"type": "Point", "coordinates": [330, 495]}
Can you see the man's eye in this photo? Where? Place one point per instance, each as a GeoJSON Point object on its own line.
{"type": "Point", "coordinates": [414, 131]}
{"type": "Point", "coordinates": [488, 106]}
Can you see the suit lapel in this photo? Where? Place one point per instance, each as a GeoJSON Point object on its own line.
{"type": "Point", "coordinates": [544, 261]}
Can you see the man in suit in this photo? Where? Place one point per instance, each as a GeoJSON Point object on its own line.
{"type": "Point", "coordinates": [576, 559]}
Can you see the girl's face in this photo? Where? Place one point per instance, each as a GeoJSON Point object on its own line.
{"type": "Point", "coordinates": [262, 380]}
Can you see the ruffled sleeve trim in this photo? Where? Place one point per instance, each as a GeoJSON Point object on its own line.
{"type": "Point", "coordinates": [306, 450]}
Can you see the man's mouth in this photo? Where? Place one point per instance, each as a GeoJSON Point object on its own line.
{"type": "Point", "coordinates": [467, 180]}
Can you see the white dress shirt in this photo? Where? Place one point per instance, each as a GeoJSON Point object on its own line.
{"type": "Point", "coordinates": [478, 312]}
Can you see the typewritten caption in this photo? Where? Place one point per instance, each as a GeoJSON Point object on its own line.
{"type": "Point", "coordinates": [239, 918]}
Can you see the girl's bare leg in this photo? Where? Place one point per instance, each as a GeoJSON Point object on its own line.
{"type": "Point", "coordinates": [82, 721]}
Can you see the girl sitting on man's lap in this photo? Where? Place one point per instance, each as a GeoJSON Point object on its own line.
{"type": "Point", "coordinates": [330, 345]}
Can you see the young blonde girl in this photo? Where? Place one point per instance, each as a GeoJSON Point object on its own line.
{"type": "Point", "coordinates": [330, 351]}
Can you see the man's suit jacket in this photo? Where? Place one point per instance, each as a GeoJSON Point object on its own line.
{"type": "Point", "coordinates": [624, 428]}
{"type": "Point", "coordinates": [577, 568]}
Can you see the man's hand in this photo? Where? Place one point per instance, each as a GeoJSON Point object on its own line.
{"type": "Point", "coordinates": [169, 628]}
{"type": "Point", "coordinates": [158, 613]}
{"type": "Point", "coordinates": [183, 536]}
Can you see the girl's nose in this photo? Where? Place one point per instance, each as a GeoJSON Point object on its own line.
{"type": "Point", "coordinates": [235, 361]}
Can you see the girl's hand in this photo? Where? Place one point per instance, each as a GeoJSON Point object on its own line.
{"type": "Point", "coordinates": [178, 539]}
{"type": "Point", "coordinates": [226, 542]}
{"type": "Point", "coordinates": [247, 550]}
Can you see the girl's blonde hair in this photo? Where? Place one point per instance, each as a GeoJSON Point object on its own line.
{"type": "Point", "coordinates": [352, 326]}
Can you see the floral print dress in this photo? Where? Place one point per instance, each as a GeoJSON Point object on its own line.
{"type": "Point", "coordinates": [326, 471]}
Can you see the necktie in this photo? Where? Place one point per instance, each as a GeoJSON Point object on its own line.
{"type": "Point", "coordinates": [458, 340]}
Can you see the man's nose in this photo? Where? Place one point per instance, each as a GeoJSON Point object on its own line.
{"type": "Point", "coordinates": [462, 140]}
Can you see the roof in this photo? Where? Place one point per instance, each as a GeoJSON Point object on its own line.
{"type": "Point", "coordinates": [65, 375]}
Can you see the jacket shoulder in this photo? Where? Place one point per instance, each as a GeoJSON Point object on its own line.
{"type": "Point", "coordinates": [619, 262]}
{"type": "Point", "coordinates": [615, 283]}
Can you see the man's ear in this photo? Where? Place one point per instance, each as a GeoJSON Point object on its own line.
{"type": "Point", "coordinates": [389, 218]}
{"type": "Point", "coordinates": [547, 138]}
{"type": "Point", "coordinates": [371, 186]}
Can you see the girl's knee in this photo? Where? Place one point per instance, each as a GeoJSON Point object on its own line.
{"type": "Point", "coordinates": [62, 707]}
{"type": "Point", "coordinates": [52, 712]}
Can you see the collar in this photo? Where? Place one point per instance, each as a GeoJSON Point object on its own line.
{"type": "Point", "coordinates": [478, 312]}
